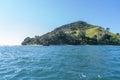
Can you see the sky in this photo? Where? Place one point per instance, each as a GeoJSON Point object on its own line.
{"type": "Point", "coordinates": [22, 18]}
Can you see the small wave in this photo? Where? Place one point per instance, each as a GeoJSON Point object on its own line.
{"type": "Point", "coordinates": [0, 55]}
{"type": "Point", "coordinates": [99, 76]}
{"type": "Point", "coordinates": [82, 76]}
{"type": "Point", "coordinates": [18, 70]}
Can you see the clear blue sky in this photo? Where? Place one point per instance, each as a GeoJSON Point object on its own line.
{"type": "Point", "coordinates": [22, 18]}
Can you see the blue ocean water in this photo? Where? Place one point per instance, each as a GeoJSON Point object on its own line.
{"type": "Point", "coordinates": [59, 63]}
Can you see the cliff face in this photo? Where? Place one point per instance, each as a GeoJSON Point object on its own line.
{"type": "Point", "coordinates": [76, 33]}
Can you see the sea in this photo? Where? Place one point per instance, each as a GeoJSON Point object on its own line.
{"type": "Point", "coordinates": [60, 62]}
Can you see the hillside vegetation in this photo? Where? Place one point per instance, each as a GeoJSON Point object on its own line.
{"type": "Point", "coordinates": [76, 33]}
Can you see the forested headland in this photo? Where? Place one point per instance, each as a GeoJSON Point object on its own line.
{"type": "Point", "coordinates": [76, 33]}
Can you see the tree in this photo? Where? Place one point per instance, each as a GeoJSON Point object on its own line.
{"type": "Point", "coordinates": [95, 36]}
{"type": "Point", "coordinates": [99, 35]}
{"type": "Point", "coordinates": [95, 39]}
{"type": "Point", "coordinates": [107, 30]}
{"type": "Point", "coordinates": [82, 34]}
{"type": "Point", "coordinates": [26, 41]}
{"type": "Point", "coordinates": [36, 40]}
{"type": "Point", "coordinates": [117, 34]}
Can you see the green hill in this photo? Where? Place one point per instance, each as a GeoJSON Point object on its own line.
{"type": "Point", "coordinates": [76, 33]}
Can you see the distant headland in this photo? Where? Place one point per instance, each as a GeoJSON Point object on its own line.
{"type": "Point", "coordinates": [76, 33]}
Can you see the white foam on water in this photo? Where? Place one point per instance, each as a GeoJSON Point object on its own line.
{"type": "Point", "coordinates": [18, 70]}
{"type": "Point", "coordinates": [99, 76]}
{"type": "Point", "coordinates": [80, 76]}
{"type": "Point", "coordinates": [83, 75]}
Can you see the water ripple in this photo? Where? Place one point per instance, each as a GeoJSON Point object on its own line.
{"type": "Point", "coordinates": [60, 63]}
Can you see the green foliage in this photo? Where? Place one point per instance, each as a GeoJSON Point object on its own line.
{"type": "Point", "coordinates": [27, 41]}
{"type": "Point", "coordinates": [77, 33]}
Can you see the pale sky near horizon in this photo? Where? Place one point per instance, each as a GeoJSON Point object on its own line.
{"type": "Point", "coordinates": [23, 18]}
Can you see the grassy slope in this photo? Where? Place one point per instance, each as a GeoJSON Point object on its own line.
{"type": "Point", "coordinates": [94, 31]}
{"type": "Point", "coordinates": [91, 32]}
